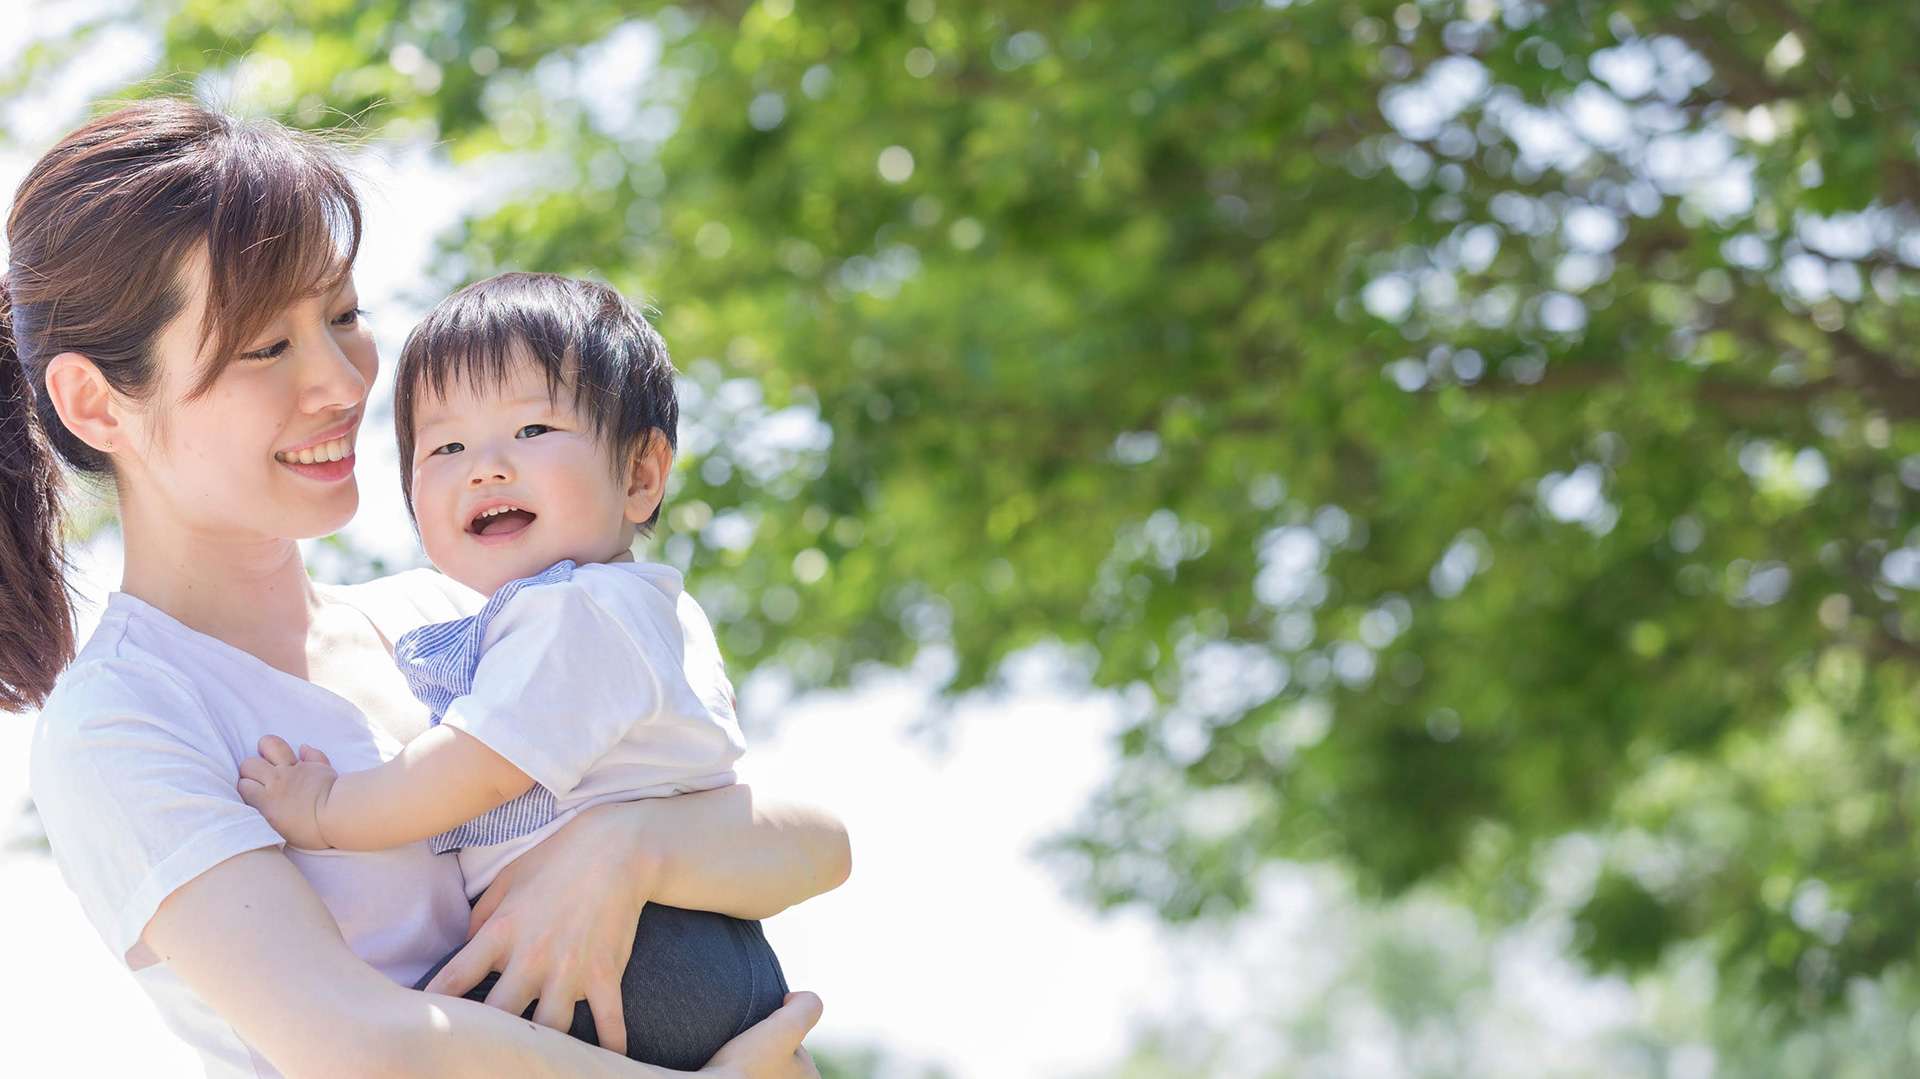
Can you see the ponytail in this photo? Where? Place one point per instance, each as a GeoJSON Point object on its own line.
{"type": "Point", "coordinates": [36, 614]}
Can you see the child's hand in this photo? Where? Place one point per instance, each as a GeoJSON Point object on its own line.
{"type": "Point", "coordinates": [289, 792]}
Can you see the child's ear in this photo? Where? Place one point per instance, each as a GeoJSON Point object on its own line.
{"type": "Point", "coordinates": [647, 470]}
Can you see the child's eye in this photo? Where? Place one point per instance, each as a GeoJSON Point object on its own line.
{"type": "Point", "coordinates": [348, 318]}
{"type": "Point", "coordinates": [451, 447]}
{"type": "Point", "coordinates": [536, 428]}
{"type": "Point", "coordinates": [271, 352]}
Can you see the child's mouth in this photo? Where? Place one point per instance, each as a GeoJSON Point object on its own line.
{"type": "Point", "coordinates": [501, 522]}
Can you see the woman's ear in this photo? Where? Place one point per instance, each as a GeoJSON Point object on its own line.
{"type": "Point", "coordinates": [646, 475]}
{"type": "Point", "coordinates": [85, 402]}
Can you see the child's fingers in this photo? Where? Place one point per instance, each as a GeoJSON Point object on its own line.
{"type": "Point", "coordinates": [276, 750]}
{"type": "Point", "coordinates": [257, 770]}
{"type": "Point", "coordinates": [251, 791]}
{"type": "Point", "coordinates": [465, 970]}
{"type": "Point", "coordinates": [309, 753]}
{"type": "Point", "coordinates": [609, 1017]}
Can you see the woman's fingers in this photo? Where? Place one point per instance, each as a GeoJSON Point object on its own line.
{"type": "Point", "coordinates": [483, 910]}
{"type": "Point", "coordinates": [788, 1026]}
{"type": "Point", "coordinates": [276, 750]}
{"type": "Point", "coordinates": [466, 969]}
{"type": "Point", "coordinates": [609, 1017]}
{"type": "Point", "coordinates": [772, 1046]}
{"type": "Point", "coordinates": [512, 993]}
{"type": "Point", "coordinates": [555, 1009]}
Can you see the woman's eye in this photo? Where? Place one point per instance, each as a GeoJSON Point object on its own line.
{"type": "Point", "coordinates": [536, 428]}
{"type": "Point", "coordinates": [271, 352]}
{"type": "Point", "coordinates": [451, 447]}
{"type": "Point", "coordinates": [348, 318]}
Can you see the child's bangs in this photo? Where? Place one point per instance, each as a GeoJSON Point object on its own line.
{"type": "Point", "coordinates": [285, 225]}
{"type": "Point", "coordinates": [479, 336]}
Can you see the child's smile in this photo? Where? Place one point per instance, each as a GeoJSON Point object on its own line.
{"type": "Point", "coordinates": [508, 480]}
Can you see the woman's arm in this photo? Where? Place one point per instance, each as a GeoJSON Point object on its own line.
{"type": "Point", "coordinates": [729, 852]}
{"type": "Point", "coordinates": [254, 941]}
{"type": "Point", "coordinates": [558, 921]}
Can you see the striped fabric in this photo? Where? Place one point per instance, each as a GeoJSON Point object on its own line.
{"type": "Point", "coordinates": [439, 661]}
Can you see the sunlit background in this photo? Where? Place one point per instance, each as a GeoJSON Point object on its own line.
{"type": "Point", "coordinates": [1302, 538]}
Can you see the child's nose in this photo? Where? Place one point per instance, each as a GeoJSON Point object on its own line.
{"type": "Point", "coordinates": [490, 468]}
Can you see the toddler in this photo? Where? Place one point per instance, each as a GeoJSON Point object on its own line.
{"type": "Point", "coordinates": [536, 419]}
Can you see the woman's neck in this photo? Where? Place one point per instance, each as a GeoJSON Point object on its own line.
{"type": "Point", "coordinates": [251, 592]}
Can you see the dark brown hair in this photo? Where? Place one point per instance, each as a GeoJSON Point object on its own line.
{"type": "Point", "coordinates": [96, 238]}
{"type": "Point", "coordinates": [585, 337]}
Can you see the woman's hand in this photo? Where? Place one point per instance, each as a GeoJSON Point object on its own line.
{"type": "Point", "coordinates": [558, 924]}
{"type": "Point", "coordinates": [771, 1049]}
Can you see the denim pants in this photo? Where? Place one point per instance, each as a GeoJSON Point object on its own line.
{"type": "Point", "coordinates": [695, 980]}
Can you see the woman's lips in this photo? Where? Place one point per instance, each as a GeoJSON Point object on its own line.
{"type": "Point", "coordinates": [325, 471]}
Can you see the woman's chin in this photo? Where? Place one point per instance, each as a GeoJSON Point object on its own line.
{"type": "Point", "coordinates": [324, 517]}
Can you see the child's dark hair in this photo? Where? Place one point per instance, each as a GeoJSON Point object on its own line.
{"type": "Point", "coordinates": [583, 335]}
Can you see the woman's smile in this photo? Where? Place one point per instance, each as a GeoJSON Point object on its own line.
{"type": "Point", "coordinates": [328, 459]}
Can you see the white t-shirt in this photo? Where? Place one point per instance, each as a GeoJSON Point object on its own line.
{"type": "Point", "coordinates": [604, 688]}
{"type": "Point", "coordinates": [135, 759]}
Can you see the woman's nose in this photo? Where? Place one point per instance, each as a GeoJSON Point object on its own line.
{"type": "Point", "coordinates": [335, 380]}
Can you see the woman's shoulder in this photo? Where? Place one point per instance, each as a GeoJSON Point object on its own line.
{"type": "Point", "coordinates": [120, 667]}
{"type": "Point", "coordinates": [116, 694]}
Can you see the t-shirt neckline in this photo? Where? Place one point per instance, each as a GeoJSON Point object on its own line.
{"type": "Point", "coordinates": [130, 604]}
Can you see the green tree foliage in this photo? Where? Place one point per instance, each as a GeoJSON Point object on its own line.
{"type": "Point", "coordinates": [1451, 426]}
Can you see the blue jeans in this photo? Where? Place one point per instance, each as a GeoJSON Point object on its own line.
{"type": "Point", "coordinates": [696, 979]}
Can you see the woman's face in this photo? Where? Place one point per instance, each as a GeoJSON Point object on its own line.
{"type": "Point", "coordinates": [268, 451]}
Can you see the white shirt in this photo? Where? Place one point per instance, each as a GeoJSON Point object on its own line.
{"type": "Point", "coordinates": [135, 759]}
{"type": "Point", "coordinates": [604, 688]}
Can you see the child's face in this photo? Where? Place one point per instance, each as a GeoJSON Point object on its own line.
{"type": "Point", "coordinates": [511, 448]}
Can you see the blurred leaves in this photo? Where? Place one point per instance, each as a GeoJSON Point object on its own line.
{"type": "Point", "coordinates": [1448, 426]}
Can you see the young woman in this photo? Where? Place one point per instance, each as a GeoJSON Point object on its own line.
{"type": "Point", "coordinates": [179, 319]}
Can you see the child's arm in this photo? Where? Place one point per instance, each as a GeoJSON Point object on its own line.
{"type": "Point", "coordinates": [441, 779]}
{"type": "Point", "coordinates": [560, 680]}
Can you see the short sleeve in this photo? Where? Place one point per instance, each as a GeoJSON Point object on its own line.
{"type": "Point", "coordinates": [561, 680]}
{"type": "Point", "coordinates": [136, 790]}
{"type": "Point", "coordinates": [401, 602]}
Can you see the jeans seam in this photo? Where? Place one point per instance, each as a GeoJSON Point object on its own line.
{"type": "Point", "coordinates": [753, 976]}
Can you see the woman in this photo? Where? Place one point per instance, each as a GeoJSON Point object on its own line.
{"type": "Point", "coordinates": [183, 323]}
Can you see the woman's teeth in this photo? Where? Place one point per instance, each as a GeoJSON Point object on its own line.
{"type": "Point", "coordinates": [321, 454]}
